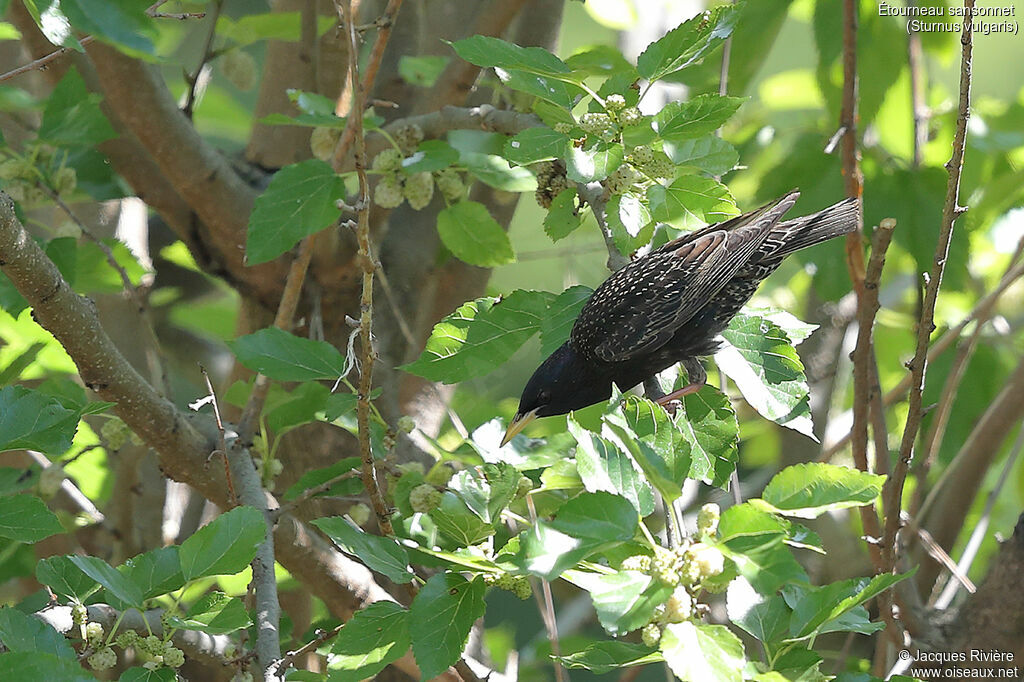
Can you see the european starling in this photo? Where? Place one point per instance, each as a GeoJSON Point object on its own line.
{"type": "Point", "coordinates": [669, 306]}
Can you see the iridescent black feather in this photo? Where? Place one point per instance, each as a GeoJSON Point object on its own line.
{"type": "Point", "coordinates": [669, 306]}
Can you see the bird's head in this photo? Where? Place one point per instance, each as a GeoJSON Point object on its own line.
{"type": "Point", "coordinates": [562, 383]}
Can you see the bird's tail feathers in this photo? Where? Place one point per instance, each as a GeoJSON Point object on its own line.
{"type": "Point", "coordinates": [799, 233]}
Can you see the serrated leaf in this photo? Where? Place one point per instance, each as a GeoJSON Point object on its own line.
{"type": "Point", "coordinates": [585, 524]}
{"type": "Point", "coordinates": [811, 489]}
{"type": "Point", "coordinates": [604, 657]}
{"type": "Point", "coordinates": [699, 116]}
{"type": "Point", "coordinates": [64, 578]}
{"type": "Point", "coordinates": [814, 607]}
{"type": "Point", "coordinates": [140, 674]}
{"type": "Point", "coordinates": [697, 652]}
{"type": "Point", "coordinates": [457, 523]}
{"type": "Point", "coordinates": [796, 330]}
{"type": "Point", "coordinates": [594, 163]}
{"type": "Point", "coordinates": [440, 618]}
{"type": "Point", "coordinates": [691, 201]}
{"type": "Point", "coordinates": [122, 23]}
{"type": "Point", "coordinates": [709, 153]}
{"type": "Point", "coordinates": [495, 52]}
{"type": "Point", "coordinates": [373, 638]}
{"type": "Point", "coordinates": [224, 546]}
{"type": "Point", "coordinates": [381, 554]}
{"type": "Point", "coordinates": [21, 632]}
{"type": "Point", "coordinates": [53, 23]}
{"type": "Point", "coordinates": [495, 171]}
{"type": "Point", "coordinates": [535, 144]}
{"type": "Point", "coordinates": [560, 316]}
{"type": "Point", "coordinates": [299, 201]}
{"type": "Point", "coordinates": [480, 336]}
{"type": "Point", "coordinates": [36, 665]}
{"type": "Point", "coordinates": [767, 370]}
{"type": "Point", "coordinates": [603, 466]}
{"type": "Point", "coordinates": [766, 617]}
{"type": "Point", "coordinates": [628, 215]}
{"type": "Point", "coordinates": [110, 578]}
{"type": "Point", "coordinates": [656, 444]}
{"type": "Point", "coordinates": [215, 614]}
{"type": "Point", "coordinates": [155, 572]}
{"type": "Point", "coordinates": [473, 236]}
{"type": "Point", "coordinates": [26, 518]}
{"type": "Point", "coordinates": [625, 600]}
{"type": "Point", "coordinates": [34, 421]}
{"type": "Point", "coordinates": [563, 217]}
{"type": "Point", "coordinates": [72, 116]}
{"type": "Point", "coordinates": [708, 423]}
{"type": "Point", "coordinates": [286, 357]}
{"type": "Point", "coordinates": [553, 90]}
{"type": "Point", "coordinates": [487, 489]}
{"type": "Point", "coordinates": [687, 43]}
{"type": "Point", "coordinates": [431, 155]}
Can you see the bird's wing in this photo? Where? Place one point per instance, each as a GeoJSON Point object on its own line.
{"type": "Point", "coordinates": [641, 306]}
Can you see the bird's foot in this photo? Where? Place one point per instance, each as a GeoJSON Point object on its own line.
{"type": "Point", "coordinates": [677, 394]}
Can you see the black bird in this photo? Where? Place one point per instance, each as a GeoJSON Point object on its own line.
{"type": "Point", "coordinates": [669, 306]}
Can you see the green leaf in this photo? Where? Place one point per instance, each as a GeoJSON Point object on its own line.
{"type": "Point", "coordinates": [215, 614]}
{"type": "Point", "coordinates": [21, 632]}
{"type": "Point", "coordinates": [625, 600]}
{"type": "Point", "coordinates": [764, 617]}
{"type": "Point", "coordinates": [709, 153]}
{"type": "Point", "coordinates": [121, 23]}
{"type": "Point", "coordinates": [754, 540]}
{"type": "Point", "coordinates": [557, 92]}
{"type": "Point", "coordinates": [431, 155]}
{"type": "Point", "coordinates": [440, 619]}
{"type": "Point", "coordinates": [52, 22]}
{"type": "Point", "coordinates": [563, 217]}
{"type": "Point", "coordinates": [647, 433]}
{"type": "Point", "coordinates": [561, 314]}
{"type": "Point", "coordinates": [281, 26]}
{"type": "Point", "coordinates": [703, 653]}
{"type": "Point", "coordinates": [64, 578]}
{"type": "Point", "coordinates": [813, 607]}
{"type": "Point", "coordinates": [422, 71]}
{"type": "Point", "coordinates": [286, 357]}
{"type": "Point", "coordinates": [224, 546]}
{"type": "Point", "coordinates": [31, 420]}
{"type": "Point", "coordinates": [603, 466]}
{"type": "Point", "coordinates": [16, 480]}
{"type": "Point", "coordinates": [604, 657]}
{"type": "Point", "coordinates": [473, 236]}
{"type": "Point", "coordinates": [110, 578]}
{"type": "Point", "coordinates": [299, 201]}
{"type": "Point", "coordinates": [536, 144]}
{"type": "Point", "coordinates": [708, 423]}
{"type": "Point", "coordinates": [699, 116]}
{"type": "Point", "coordinates": [486, 489]}
{"type": "Point", "coordinates": [72, 116]}
{"type": "Point", "coordinates": [796, 330]}
{"type": "Point", "coordinates": [155, 572]}
{"type": "Point", "coordinates": [627, 216]}
{"type": "Point", "coordinates": [381, 554]}
{"type": "Point", "coordinates": [140, 674]}
{"type": "Point", "coordinates": [313, 478]}
{"type": "Point", "coordinates": [373, 638]}
{"type": "Point", "coordinates": [691, 201]}
{"type": "Point", "coordinates": [687, 43]}
{"type": "Point", "coordinates": [809, 490]}
{"type": "Point", "coordinates": [495, 52]}
{"type": "Point", "coordinates": [26, 518]}
{"type": "Point", "coordinates": [36, 665]}
{"type": "Point", "coordinates": [495, 171]}
{"type": "Point", "coordinates": [457, 523]}
{"type": "Point", "coordinates": [766, 368]}
{"type": "Point", "coordinates": [585, 524]}
{"type": "Point", "coordinates": [480, 336]}
{"type": "Point", "coordinates": [594, 163]}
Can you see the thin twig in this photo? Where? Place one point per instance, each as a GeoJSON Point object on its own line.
{"type": "Point", "coordinates": [312, 492]}
{"type": "Point", "coordinates": [152, 12]}
{"type": "Point", "coordinates": [352, 125]}
{"type": "Point", "coordinates": [43, 61]}
{"type": "Point", "coordinates": [951, 210]}
{"type": "Point", "coordinates": [547, 608]}
{"type": "Point", "coordinates": [222, 447]}
{"type": "Point", "coordinates": [355, 121]}
{"type": "Point", "coordinates": [312, 645]}
{"type": "Point", "coordinates": [154, 354]}
{"type": "Point", "coordinates": [981, 311]}
{"type": "Point", "coordinates": [915, 64]}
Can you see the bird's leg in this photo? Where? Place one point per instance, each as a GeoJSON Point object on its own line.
{"type": "Point", "coordinates": [697, 376]}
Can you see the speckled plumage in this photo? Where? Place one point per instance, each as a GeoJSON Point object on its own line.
{"type": "Point", "coordinates": [669, 306]}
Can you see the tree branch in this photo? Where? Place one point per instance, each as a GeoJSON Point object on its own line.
{"type": "Point", "coordinates": [951, 210]}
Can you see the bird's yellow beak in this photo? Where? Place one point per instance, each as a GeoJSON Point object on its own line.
{"type": "Point", "coordinates": [517, 424]}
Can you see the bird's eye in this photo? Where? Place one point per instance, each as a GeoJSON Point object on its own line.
{"type": "Point", "coordinates": [544, 396]}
